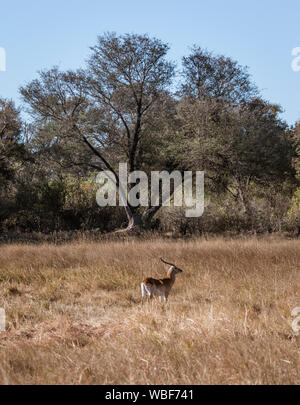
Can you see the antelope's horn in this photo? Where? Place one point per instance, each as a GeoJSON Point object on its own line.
{"type": "Point", "coordinates": [171, 264]}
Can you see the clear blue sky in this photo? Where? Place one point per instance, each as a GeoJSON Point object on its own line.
{"type": "Point", "coordinates": [38, 34]}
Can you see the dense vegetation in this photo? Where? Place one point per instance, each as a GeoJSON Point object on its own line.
{"type": "Point", "coordinates": [131, 104]}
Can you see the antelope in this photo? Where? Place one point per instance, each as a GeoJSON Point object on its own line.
{"type": "Point", "coordinates": [161, 287]}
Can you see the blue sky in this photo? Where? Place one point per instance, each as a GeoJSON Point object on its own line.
{"type": "Point", "coordinates": [260, 34]}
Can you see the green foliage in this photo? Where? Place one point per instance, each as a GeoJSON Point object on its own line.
{"type": "Point", "coordinates": [294, 211]}
{"type": "Point", "coordinates": [122, 108]}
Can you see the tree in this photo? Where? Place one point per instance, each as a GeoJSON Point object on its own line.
{"type": "Point", "coordinates": [227, 129]}
{"type": "Point", "coordinates": [296, 141]}
{"type": "Point", "coordinates": [11, 147]}
{"type": "Point", "coordinates": [12, 154]}
{"type": "Point", "coordinates": [247, 144]}
{"type": "Point", "coordinates": [208, 76]}
{"type": "Point", "coordinates": [106, 107]}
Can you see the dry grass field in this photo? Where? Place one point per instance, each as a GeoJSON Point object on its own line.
{"type": "Point", "coordinates": [74, 314]}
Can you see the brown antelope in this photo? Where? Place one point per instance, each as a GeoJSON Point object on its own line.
{"type": "Point", "coordinates": [161, 287]}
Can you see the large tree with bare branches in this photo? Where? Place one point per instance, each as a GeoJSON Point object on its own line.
{"type": "Point", "coordinates": [100, 116]}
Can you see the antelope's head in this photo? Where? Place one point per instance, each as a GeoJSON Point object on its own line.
{"type": "Point", "coordinates": [173, 270]}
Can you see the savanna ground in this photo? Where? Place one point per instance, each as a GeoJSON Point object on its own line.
{"type": "Point", "coordinates": [74, 315]}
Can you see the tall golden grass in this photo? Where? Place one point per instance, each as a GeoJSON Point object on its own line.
{"type": "Point", "coordinates": [74, 315]}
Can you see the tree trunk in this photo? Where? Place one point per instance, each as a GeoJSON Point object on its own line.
{"type": "Point", "coordinates": [149, 213]}
{"type": "Point", "coordinates": [139, 222]}
{"type": "Point", "coordinates": [242, 193]}
{"type": "Point", "coordinates": [135, 222]}
{"type": "Point", "coordinates": [244, 201]}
